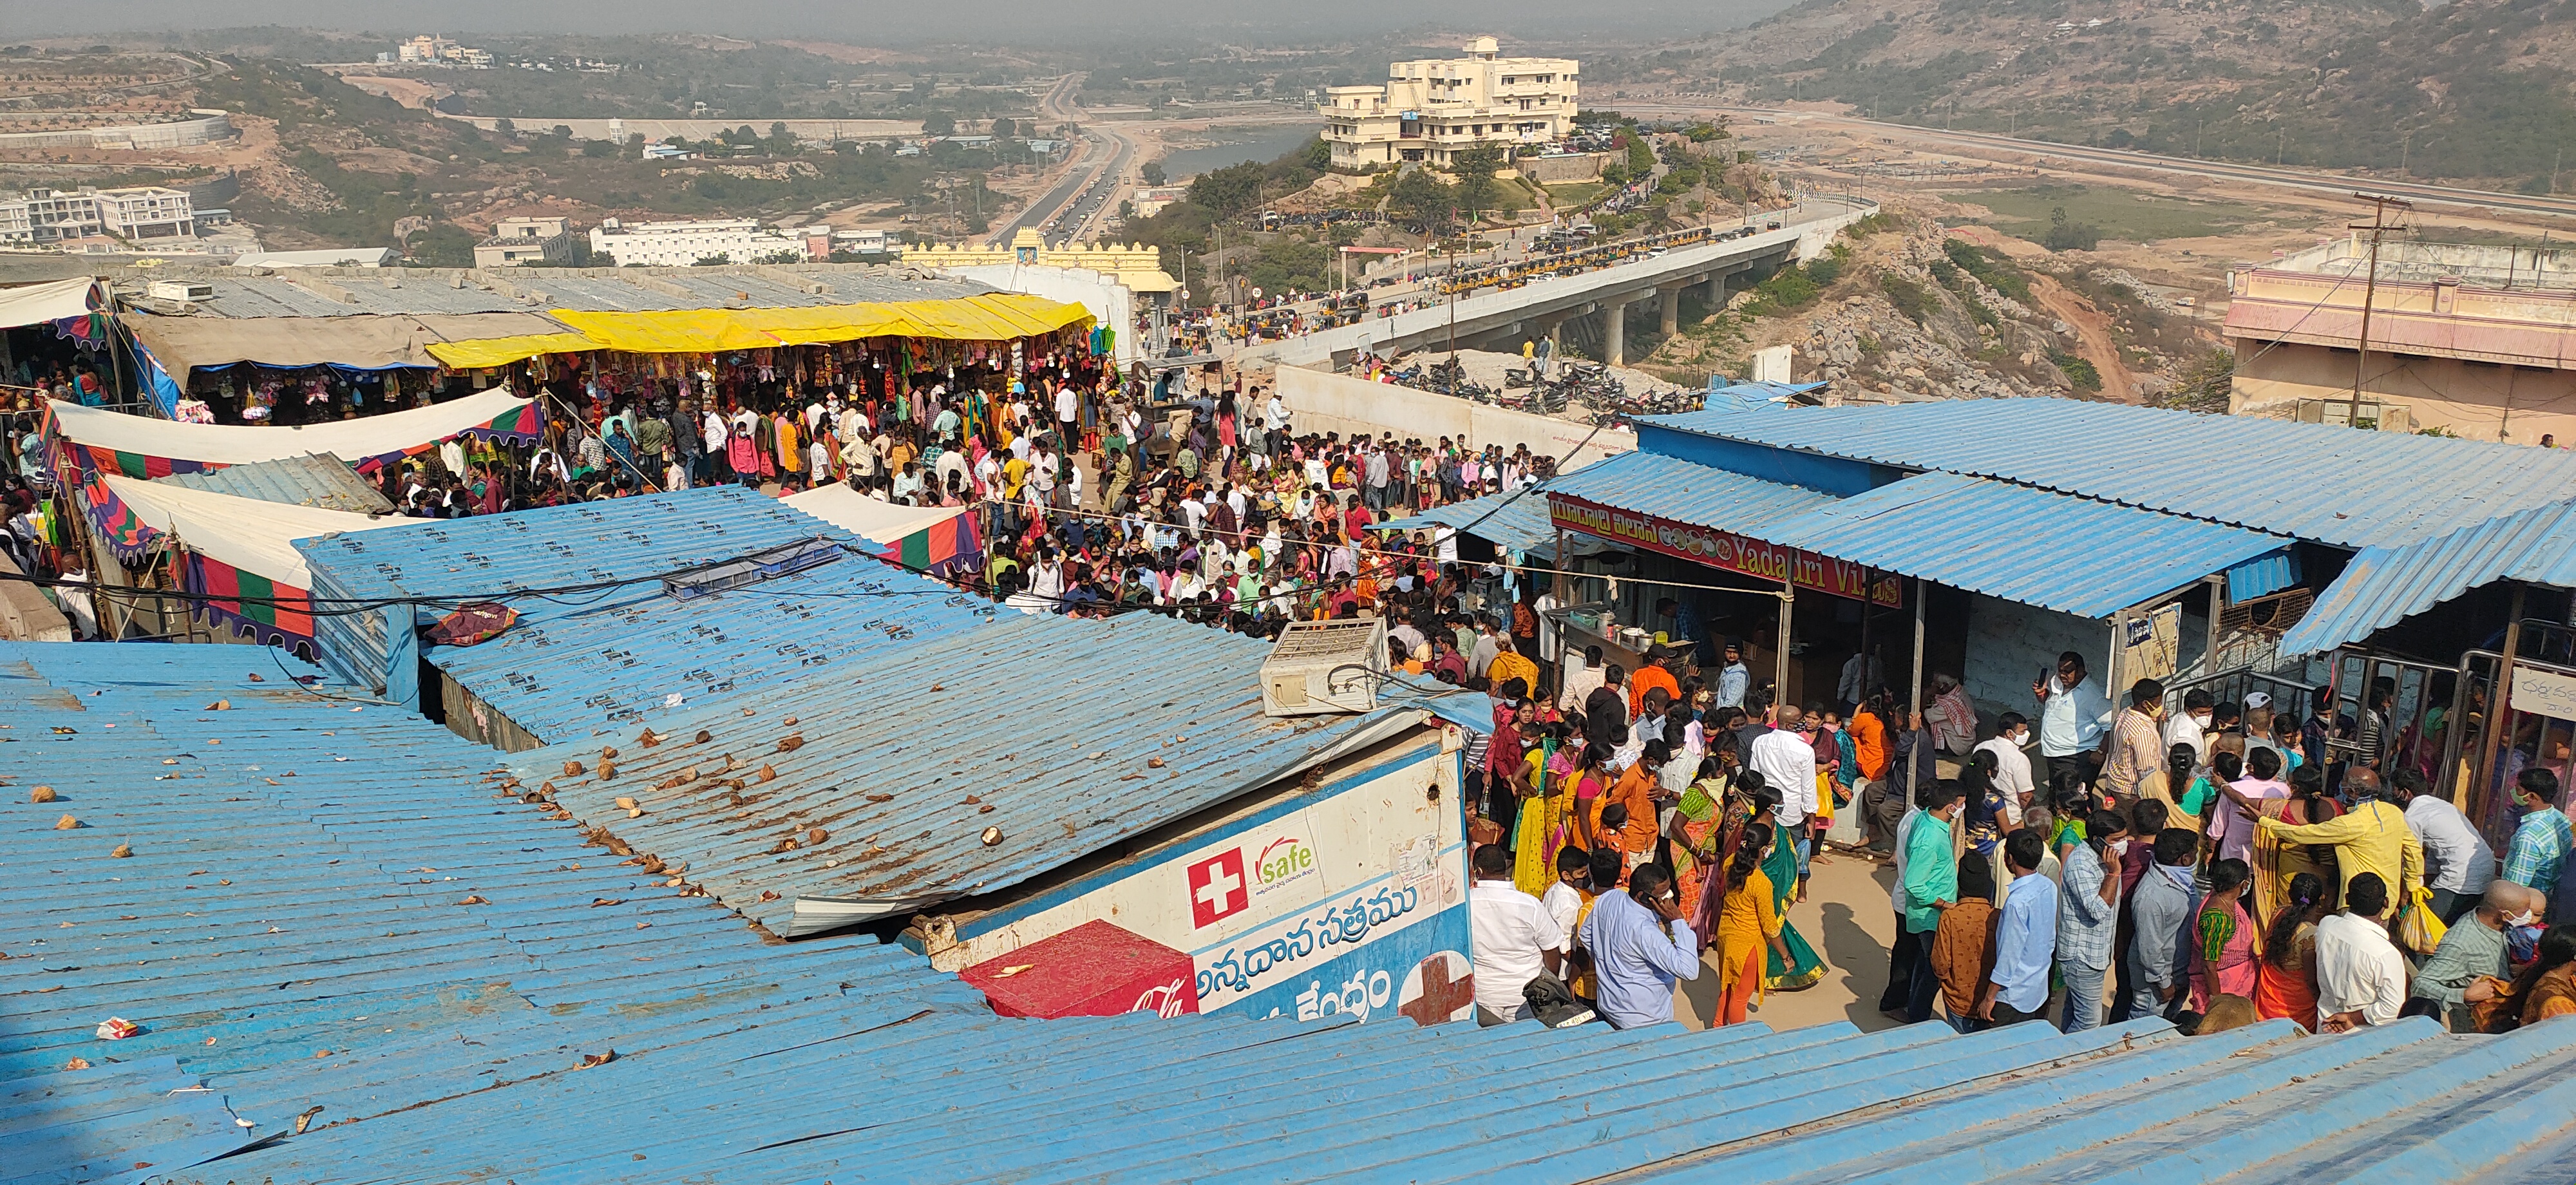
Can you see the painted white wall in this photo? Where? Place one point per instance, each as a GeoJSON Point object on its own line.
{"type": "Point", "coordinates": [1111, 303]}
{"type": "Point", "coordinates": [1321, 401]}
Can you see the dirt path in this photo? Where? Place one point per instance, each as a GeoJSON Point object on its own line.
{"type": "Point", "coordinates": [2093, 341]}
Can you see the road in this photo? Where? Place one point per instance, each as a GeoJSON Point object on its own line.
{"type": "Point", "coordinates": [2336, 184]}
{"type": "Point", "coordinates": [1087, 187]}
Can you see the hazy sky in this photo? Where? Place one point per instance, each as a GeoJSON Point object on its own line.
{"type": "Point", "coordinates": [1000, 21]}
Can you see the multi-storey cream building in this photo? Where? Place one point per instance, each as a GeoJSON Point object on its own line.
{"type": "Point", "coordinates": [1431, 110]}
{"type": "Point", "coordinates": [138, 212]}
{"type": "Point", "coordinates": [2477, 341]}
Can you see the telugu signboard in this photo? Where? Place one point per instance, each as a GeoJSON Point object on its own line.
{"type": "Point", "coordinates": [1726, 550]}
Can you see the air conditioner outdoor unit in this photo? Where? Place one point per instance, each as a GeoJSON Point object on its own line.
{"type": "Point", "coordinates": [181, 291]}
{"type": "Point", "coordinates": [1325, 666]}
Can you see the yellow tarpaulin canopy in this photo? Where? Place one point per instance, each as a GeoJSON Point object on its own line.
{"type": "Point", "coordinates": [997, 317]}
{"type": "Point", "coordinates": [501, 351]}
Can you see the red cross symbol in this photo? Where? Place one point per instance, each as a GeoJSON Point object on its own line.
{"type": "Point", "coordinates": [1441, 996]}
{"type": "Point", "coordinates": [1217, 887]}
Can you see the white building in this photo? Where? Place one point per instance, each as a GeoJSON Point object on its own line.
{"type": "Point", "coordinates": [54, 215]}
{"type": "Point", "coordinates": [683, 244]}
{"type": "Point", "coordinates": [526, 242]}
{"type": "Point", "coordinates": [1431, 110]}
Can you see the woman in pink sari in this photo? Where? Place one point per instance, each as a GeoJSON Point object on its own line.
{"type": "Point", "coordinates": [2223, 958]}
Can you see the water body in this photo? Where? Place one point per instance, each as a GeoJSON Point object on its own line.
{"type": "Point", "coordinates": [1265, 146]}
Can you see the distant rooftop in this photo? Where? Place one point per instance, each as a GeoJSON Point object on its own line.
{"type": "Point", "coordinates": [2475, 265]}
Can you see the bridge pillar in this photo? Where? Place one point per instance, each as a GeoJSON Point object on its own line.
{"type": "Point", "coordinates": [1668, 301]}
{"type": "Point", "coordinates": [1614, 329]}
{"type": "Point", "coordinates": [1552, 327]}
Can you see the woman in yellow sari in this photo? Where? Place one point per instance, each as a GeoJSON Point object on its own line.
{"type": "Point", "coordinates": [1542, 820]}
{"type": "Point", "coordinates": [2277, 863]}
{"type": "Point", "coordinates": [1748, 926]}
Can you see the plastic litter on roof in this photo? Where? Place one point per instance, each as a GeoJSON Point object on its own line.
{"type": "Point", "coordinates": [2099, 558]}
{"type": "Point", "coordinates": [896, 763]}
{"type": "Point", "coordinates": [409, 980]}
{"type": "Point", "coordinates": [2306, 481]}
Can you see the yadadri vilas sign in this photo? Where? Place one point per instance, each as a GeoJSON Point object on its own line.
{"type": "Point", "coordinates": [1724, 549]}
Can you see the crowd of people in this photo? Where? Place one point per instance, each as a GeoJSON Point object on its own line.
{"type": "Point", "coordinates": [2214, 865]}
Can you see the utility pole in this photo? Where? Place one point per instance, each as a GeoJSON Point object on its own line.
{"type": "Point", "coordinates": [2377, 226]}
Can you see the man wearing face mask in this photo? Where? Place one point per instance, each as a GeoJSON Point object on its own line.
{"type": "Point", "coordinates": [2191, 725]}
{"type": "Point", "coordinates": [2539, 847]}
{"type": "Point", "coordinates": [2456, 976]}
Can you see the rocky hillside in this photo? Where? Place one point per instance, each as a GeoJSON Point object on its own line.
{"type": "Point", "coordinates": [1906, 308]}
{"type": "Point", "coordinates": [2482, 89]}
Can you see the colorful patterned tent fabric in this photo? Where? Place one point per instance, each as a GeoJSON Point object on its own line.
{"type": "Point", "coordinates": [995, 317]}
{"type": "Point", "coordinates": [239, 550]}
{"type": "Point", "coordinates": [939, 540]}
{"type": "Point", "coordinates": [135, 446]}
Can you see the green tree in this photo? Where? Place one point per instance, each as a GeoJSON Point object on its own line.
{"type": "Point", "coordinates": [1475, 168]}
{"type": "Point", "coordinates": [1153, 173]}
{"type": "Point", "coordinates": [939, 123]}
{"type": "Point", "coordinates": [2064, 235]}
{"type": "Point", "coordinates": [1004, 129]}
{"type": "Point", "coordinates": [1417, 196]}
{"type": "Point", "coordinates": [1317, 154]}
{"type": "Point", "coordinates": [1228, 191]}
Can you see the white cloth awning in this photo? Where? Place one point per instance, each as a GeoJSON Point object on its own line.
{"type": "Point", "coordinates": [52, 300]}
{"type": "Point", "coordinates": [246, 533]}
{"type": "Point", "coordinates": [236, 444]}
{"type": "Point", "coordinates": [866, 517]}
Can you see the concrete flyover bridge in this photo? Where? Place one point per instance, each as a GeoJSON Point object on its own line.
{"type": "Point", "coordinates": [1544, 306]}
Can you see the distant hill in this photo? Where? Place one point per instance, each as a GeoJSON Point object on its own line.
{"type": "Point", "coordinates": [2483, 90]}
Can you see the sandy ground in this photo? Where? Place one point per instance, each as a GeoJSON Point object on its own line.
{"type": "Point", "coordinates": [1846, 918]}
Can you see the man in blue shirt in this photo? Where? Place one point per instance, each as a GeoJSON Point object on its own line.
{"type": "Point", "coordinates": [1640, 948]}
{"type": "Point", "coordinates": [2025, 938]}
{"type": "Point", "coordinates": [1733, 679]}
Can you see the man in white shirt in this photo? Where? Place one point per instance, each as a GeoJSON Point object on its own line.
{"type": "Point", "coordinates": [1564, 896]}
{"type": "Point", "coordinates": [1068, 408]}
{"type": "Point", "coordinates": [1787, 763]}
{"type": "Point", "coordinates": [2361, 979]}
{"type": "Point", "coordinates": [1515, 937]}
{"type": "Point", "coordinates": [2191, 726]}
{"type": "Point", "coordinates": [2458, 863]}
{"type": "Point", "coordinates": [2073, 715]}
{"type": "Point", "coordinates": [2012, 764]}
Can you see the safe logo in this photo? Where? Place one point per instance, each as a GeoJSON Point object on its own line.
{"type": "Point", "coordinates": [1286, 859]}
{"type": "Point", "coordinates": [1217, 888]}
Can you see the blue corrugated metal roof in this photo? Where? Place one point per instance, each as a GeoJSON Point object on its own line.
{"type": "Point", "coordinates": [325, 907]}
{"type": "Point", "coordinates": [340, 969]}
{"type": "Point", "coordinates": [900, 760]}
{"type": "Point", "coordinates": [1516, 521]}
{"type": "Point", "coordinates": [1725, 394]}
{"type": "Point", "coordinates": [2307, 481]}
{"type": "Point", "coordinates": [1686, 492]}
{"type": "Point", "coordinates": [2385, 585]}
{"type": "Point", "coordinates": [2073, 555]}
{"type": "Point", "coordinates": [634, 540]}
{"type": "Point", "coordinates": [578, 672]}
{"type": "Point", "coordinates": [314, 479]}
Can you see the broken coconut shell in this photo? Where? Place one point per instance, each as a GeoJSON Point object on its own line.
{"type": "Point", "coordinates": [41, 794]}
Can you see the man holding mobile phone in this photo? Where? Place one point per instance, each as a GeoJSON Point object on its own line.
{"type": "Point", "coordinates": [2073, 716]}
{"type": "Point", "coordinates": [1641, 946]}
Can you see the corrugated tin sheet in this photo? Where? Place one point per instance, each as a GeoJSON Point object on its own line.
{"type": "Point", "coordinates": [2385, 585]}
{"type": "Point", "coordinates": [641, 656]}
{"type": "Point", "coordinates": [635, 539]}
{"type": "Point", "coordinates": [2073, 555]}
{"type": "Point", "coordinates": [314, 479]}
{"type": "Point", "coordinates": [341, 970]}
{"type": "Point", "coordinates": [325, 907]}
{"type": "Point", "coordinates": [877, 777]}
{"type": "Point", "coordinates": [1515, 521]}
{"type": "Point", "coordinates": [1686, 492]}
{"type": "Point", "coordinates": [2307, 481]}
